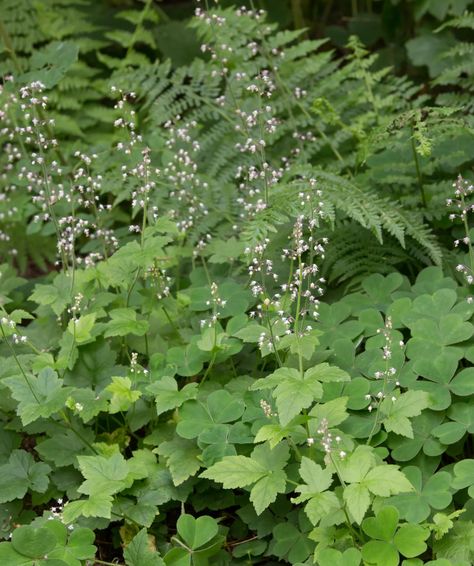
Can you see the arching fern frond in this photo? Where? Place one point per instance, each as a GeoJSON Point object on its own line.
{"type": "Point", "coordinates": [353, 253]}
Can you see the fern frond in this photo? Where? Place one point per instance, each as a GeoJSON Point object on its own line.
{"type": "Point", "coordinates": [466, 20]}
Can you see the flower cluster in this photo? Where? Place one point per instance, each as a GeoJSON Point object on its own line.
{"type": "Point", "coordinates": [216, 302]}
{"type": "Point", "coordinates": [267, 409]}
{"type": "Point", "coordinates": [135, 367]}
{"type": "Point", "coordinates": [388, 374]}
{"type": "Point", "coordinates": [180, 175]}
{"type": "Point", "coordinates": [461, 206]}
{"type": "Point", "coordinates": [327, 440]}
{"type": "Point", "coordinates": [290, 305]}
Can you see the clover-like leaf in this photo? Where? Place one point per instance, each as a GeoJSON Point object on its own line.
{"type": "Point", "coordinates": [410, 540]}
{"type": "Point", "coordinates": [383, 526]}
{"type": "Point", "coordinates": [415, 506]}
{"type": "Point", "coordinates": [333, 557]}
{"type": "Point", "coordinates": [196, 532]}
{"type": "Point", "coordinates": [197, 417]}
{"type": "Point", "coordinates": [33, 542]}
{"type": "Point", "coordinates": [464, 475]}
{"type": "Point", "coordinates": [387, 542]}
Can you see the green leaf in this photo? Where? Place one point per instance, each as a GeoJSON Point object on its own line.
{"type": "Point", "coordinates": [303, 346]}
{"type": "Point", "coordinates": [272, 458]}
{"type": "Point", "coordinates": [416, 506]}
{"type": "Point", "coordinates": [57, 295]}
{"type": "Point", "coordinates": [292, 392]}
{"type": "Point", "coordinates": [51, 63]}
{"type": "Point", "coordinates": [79, 546]}
{"type": "Point", "coordinates": [143, 514]}
{"type": "Point", "coordinates": [355, 467]}
{"type": "Point", "coordinates": [428, 49]}
{"type": "Point", "coordinates": [167, 396]}
{"type": "Point", "coordinates": [463, 383]}
{"type": "Point", "coordinates": [290, 543]}
{"type": "Point", "coordinates": [409, 404]}
{"type": "Point", "coordinates": [141, 552]}
{"type": "Point", "coordinates": [120, 269]}
{"type": "Point", "coordinates": [196, 532]}
{"type": "Point", "coordinates": [251, 332]}
{"type": "Point", "coordinates": [81, 327]}
{"type": "Point", "coordinates": [275, 433]}
{"type": "Point", "coordinates": [188, 360]}
{"type": "Point", "coordinates": [97, 505]}
{"type": "Point", "coordinates": [9, 556]}
{"type": "Point", "coordinates": [264, 469]}
{"type": "Point", "coordinates": [142, 464]}
{"type": "Point", "coordinates": [197, 418]}
{"type": "Point", "coordinates": [464, 475]}
{"type": "Point", "coordinates": [64, 447]}
{"type": "Point", "coordinates": [443, 523]}
{"type": "Point", "coordinates": [87, 403]}
{"type": "Point", "coordinates": [182, 458]}
{"type": "Point", "coordinates": [322, 505]}
{"type": "Point", "coordinates": [431, 345]}
{"type": "Point", "coordinates": [410, 540]}
{"type": "Point", "coordinates": [237, 298]}
{"type": "Point", "coordinates": [457, 545]}
{"type": "Point", "coordinates": [265, 491]}
{"type": "Point", "coordinates": [178, 557]}
{"type": "Point", "coordinates": [103, 474]}
{"type": "Point", "coordinates": [380, 553]}
{"type": "Point", "coordinates": [404, 449]}
{"type": "Point", "coordinates": [235, 471]}
{"type": "Point", "coordinates": [383, 526]}
{"type": "Point", "coordinates": [124, 322]}
{"type": "Point", "coordinates": [224, 251]}
{"type": "Point", "coordinates": [40, 396]}
{"type": "Point", "coordinates": [20, 474]}
{"type": "Point", "coordinates": [449, 433]}
{"type": "Point", "coordinates": [32, 542]}
{"type": "Point", "coordinates": [122, 395]}
{"type": "Point", "coordinates": [158, 488]}
{"type": "Point", "coordinates": [357, 498]}
{"type": "Point", "coordinates": [387, 480]}
{"type": "Point", "coordinates": [333, 557]}
{"type": "Point", "coordinates": [326, 373]}
{"type": "Point", "coordinates": [333, 411]}
{"type": "Point", "coordinates": [316, 479]}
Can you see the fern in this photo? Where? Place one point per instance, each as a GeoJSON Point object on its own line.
{"type": "Point", "coordinates": [354, 253]}
{"type": "Point", "coordinates": [19, 33]}
{"type": "Point", "coordinates": [382, 151]}
{"type": "Point", "coordinates": [347, 131]}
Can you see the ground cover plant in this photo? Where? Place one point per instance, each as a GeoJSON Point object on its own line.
{"type": "Point", "coordinates": [237, 322]}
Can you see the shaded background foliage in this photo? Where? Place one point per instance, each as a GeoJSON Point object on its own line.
{"type": "Point", "coordinates": [134, 388]}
